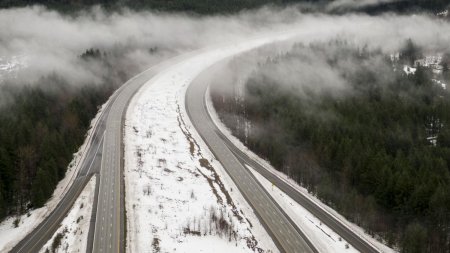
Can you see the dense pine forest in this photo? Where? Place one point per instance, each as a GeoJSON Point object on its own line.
{"type": "Point", "coordinates": [358, 132]}
{"type": "Point", "coordinates": [41, 125]}
{"type": "Point", "coordinates": [219, 6]}
{"type": "Point", "coordinates": [44, 122]}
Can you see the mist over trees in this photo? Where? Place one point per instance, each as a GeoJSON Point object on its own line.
{"type": "Point", "coordinates": [350, 126]}
{"type": "Point", "coordinates": [41, 128]}
{"type": "Point", "coordinates": [233, 6]}
{"type": "Point", "coordinates": [47, 111]}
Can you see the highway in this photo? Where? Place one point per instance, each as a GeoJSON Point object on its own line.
{"type": "Point", "coordinates": [225, 150]}
{"type": "Point", "coordinates": [285, 233]}
{"type": "Point", "coordinates": [104, 157]}
{"type": "Point", "coordinates": [90, 165]}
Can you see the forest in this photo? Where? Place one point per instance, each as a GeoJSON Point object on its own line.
{"type": "Point", "coordinates": [365, 137]}
{"type": "Point", "coordinates": [219, 6]}
{"type": "Point", "coordinates": [41, 126]}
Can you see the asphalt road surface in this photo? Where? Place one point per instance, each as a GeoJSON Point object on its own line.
{"type": "Point", "coordinates": [222, 146]}
{"type": "Point", "coordinates": [90, 165]}
{"type": "Point", "coordinates": [286, 234]}
{"type": "Point", "coordinates": [105, 157]}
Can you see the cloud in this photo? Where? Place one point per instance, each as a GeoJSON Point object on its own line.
{"type": "Point", "coordinates": [340, 5]}
{"type": "Point", "coordinates": [52, 42]}
{"type": "Point", "coordinates": [306, 69]}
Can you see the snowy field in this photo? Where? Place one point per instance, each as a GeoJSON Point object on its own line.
{"type": "Point", "coordinates": [178, 197]}
{"type": "Point", "coordinates": [73, 231]}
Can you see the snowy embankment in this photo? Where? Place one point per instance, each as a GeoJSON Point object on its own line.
{"type": "Point", "coordinates": [325, 239]}
{"type": "Point", "coordinates": [10, 234]}
{"type": "Point", "coordinates": [72, 234]}
{"type": "Point", "coordinates": [178, 197]}
{"type": "Point", "coordinates": [321, 239]}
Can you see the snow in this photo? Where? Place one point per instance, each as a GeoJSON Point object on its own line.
{"type": "Point", "coordinates": [409, 70]}
{"type": "Point", "coordinates": [443, 13]}
{"type": "Point", "coordinates": [321, 236]}
{"type": "Point", "coordinates": [227, 132]}
{"type": "Point", "coordinates": [12, 64]}
{"type": "Point", "coordinates": [75, 226]}
{"type": "Point", "coordinates": [439, 82]}
{"type": "Point", "coordinates": [10, 235]}
{"type": "Point", "coordinates": [395, 57]}
{"type": "Point", "coordinates": [174, 186]}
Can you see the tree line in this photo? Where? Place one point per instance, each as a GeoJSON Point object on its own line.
{"type": "Point", "coordinates": [41, 127]}
{"type": "Point", "coordinates": [378, 152]}
{"type": "Point", "coordinates": [220, 7]}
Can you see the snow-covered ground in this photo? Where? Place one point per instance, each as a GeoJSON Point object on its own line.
{"type": "Point", "coordinates": [440, 83]}
{"type": "Point", "coordinates": [409, 70]}
{"type": "Point", "coordinates": [443, 13]}
{"type": "Point", "coordinates": [227, 132]}
{"type": "Point", "coordinates": [11, 235]}
{"type": "Point", "coordinates": [321, 236]}
{"type": "Point", "coordinates": [178, 197]}
{"type": "Point", "coordinates": [72, 235]}
{"type": "Point", "coordinates": [11, 65]}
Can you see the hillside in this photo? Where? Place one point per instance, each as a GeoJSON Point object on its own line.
{"type": "Point", "coordinates": [354, 129]}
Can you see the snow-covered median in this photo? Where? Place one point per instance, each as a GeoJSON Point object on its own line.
{"type": "Point", "coordinates": [72, 235]}
{"type": "Point", "coordinates": [178, 197]}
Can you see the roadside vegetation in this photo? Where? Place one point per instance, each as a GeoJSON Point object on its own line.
{"type": "Point", "coordinates": [41, 126]}
{"type": "Point", "coordinates": [352, 127]}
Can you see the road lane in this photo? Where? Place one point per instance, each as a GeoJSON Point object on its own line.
{"type": "Point", "coordinates": [287, 235]}
{"type": "Point", "coordinates": [325, 217]}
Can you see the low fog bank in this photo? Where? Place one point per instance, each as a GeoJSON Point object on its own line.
{"type": "Point", "coordinates": [320, 60]}
{"type": "Point", "coordinates": [340, 5]}
{"type": "Point", "coordinates": [51, 43]}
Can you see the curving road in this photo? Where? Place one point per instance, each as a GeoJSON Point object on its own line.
{"type": "Point", "coordinates": [225, 150]}
{"type": "Point", "coordinates": [282, 229]}
{"type": "Point", "coordinates": [105, 157]}
{"type": "Point", "coordinates": [90, 165]}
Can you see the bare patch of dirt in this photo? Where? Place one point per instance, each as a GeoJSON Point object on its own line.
{"type": "Point", "coordinates": [155, 245]}
{"type": "Point", "coordinates": [192, 143]}
{"type": "Point", "coordinates": [205, 164]}
{"type": "Point", "coordinates": [188, 231]}
{"type": "Point", "coordinates": [168, 171]}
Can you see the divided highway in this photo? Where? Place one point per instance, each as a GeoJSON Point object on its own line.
{"type": "Point", "coordinates": [283, 230]}
{"type": "Point", "coordinates": [90, 165]}
{"type": "Point", "coordinates": [225, 151]}
{"type": "Point", "coordinates": [105, 158]}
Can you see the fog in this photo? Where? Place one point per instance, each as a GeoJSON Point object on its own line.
{"type": "Point", "coordinates": [341, 5]}
{"type": "Point", "coordinates": [307, 70]}
{"type": "Point", "coordinates": [51, 43]}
